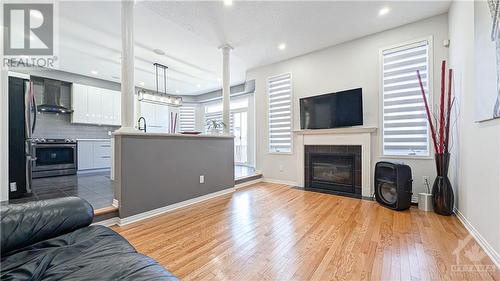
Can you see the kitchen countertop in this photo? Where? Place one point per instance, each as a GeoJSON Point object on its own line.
{"type": "Point", "coordinates": [142, 134]}
{"type": "Point", "coordinates": [109, 139]}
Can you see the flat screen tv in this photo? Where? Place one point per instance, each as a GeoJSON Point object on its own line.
{"type": "Point", "coordinates": [340, 109]}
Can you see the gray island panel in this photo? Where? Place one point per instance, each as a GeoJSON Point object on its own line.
{"type": "Point", "coordinates": [156, 171]}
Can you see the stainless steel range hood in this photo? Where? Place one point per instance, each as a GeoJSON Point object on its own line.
{"type": "Point", "coordinates": [51, 97]}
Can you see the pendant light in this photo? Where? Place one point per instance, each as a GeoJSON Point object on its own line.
{"type": "Point", "coordinates": [161, 97]}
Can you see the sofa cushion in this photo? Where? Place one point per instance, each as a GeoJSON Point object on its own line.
{"type": "Point", "coordinates": [90, 253]}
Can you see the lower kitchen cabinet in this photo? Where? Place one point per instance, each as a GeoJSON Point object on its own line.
{"type": "Point", "coordinates": [94, 154]}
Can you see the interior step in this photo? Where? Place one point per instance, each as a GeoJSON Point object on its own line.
{"type": "Point", "coordinates": [105, 213]}
{"type": "Point", "coordinates": [240, 180]}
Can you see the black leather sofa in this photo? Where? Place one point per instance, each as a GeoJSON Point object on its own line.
{"type": "Point", "coordinates": [53, 240]}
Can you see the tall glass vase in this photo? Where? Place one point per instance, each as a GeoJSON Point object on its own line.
{"type": "Point", "coordinates": [442, 191]}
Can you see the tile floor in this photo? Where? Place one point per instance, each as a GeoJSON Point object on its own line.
{"type": "Point", "coordinates": [96, 188]}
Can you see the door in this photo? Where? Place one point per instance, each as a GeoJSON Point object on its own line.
{"type": "Point", "coordinates": [240, 131]}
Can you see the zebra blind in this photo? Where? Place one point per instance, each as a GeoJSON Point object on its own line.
{"type": "Point", "coordinates": [280, 113]}
{"type": "Point", "coordinates": [405, 128]}
{"type": "Point", "coordinates": [187, 118]}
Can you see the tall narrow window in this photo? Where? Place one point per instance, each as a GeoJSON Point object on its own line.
{"type": "Point", "coordinates": [405, 128]}
{"type": "Point", "coordinates": [280, 113]}
{"type": "Point", "coordinates": [187, 117]}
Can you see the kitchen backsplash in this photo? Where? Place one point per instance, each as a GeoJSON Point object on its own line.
{"type": "Point", "coordinates": [50, 125]}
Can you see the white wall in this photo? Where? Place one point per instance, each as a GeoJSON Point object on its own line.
{"type": "Point", "coordinates": [349, 65]}
{"type": "Point", "coordinates": [477, 157]}
{"type": "Point", "coordinates": [4, 136]}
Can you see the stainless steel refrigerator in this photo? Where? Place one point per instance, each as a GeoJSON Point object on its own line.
{"type": "Point", "coordinates": [22, 122]}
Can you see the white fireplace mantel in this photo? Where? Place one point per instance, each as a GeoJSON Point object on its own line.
{"type": "Point", "coordinates": [346, 130]}
{"type": "Point", "coordinates": [341, 136]}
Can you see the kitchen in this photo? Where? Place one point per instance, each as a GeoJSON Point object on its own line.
{"type": "Point", "coordinates": [63, 122]}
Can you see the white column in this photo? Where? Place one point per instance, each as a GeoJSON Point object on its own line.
{"type": "Point", "coordinates": [127, 81]}
{"type": "Point", "coordinates": [226, 49]}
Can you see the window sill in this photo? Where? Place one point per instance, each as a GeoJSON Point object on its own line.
{"type": "Point", "coordinates": [408, 157]}
{"type": "Point", "coordinates": [280, 153]}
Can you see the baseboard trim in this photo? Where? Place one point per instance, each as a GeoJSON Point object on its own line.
{"type": "Point", "coordinates": [292, 183]}
{"type": "Point", "coordinates": [108, 222]}
{"type": "Point", "coordinates": [247, 183]}
{"type": "Point", "coordinates": [494, 256]}
{"type": "Point", "coordinates": [162, 210]}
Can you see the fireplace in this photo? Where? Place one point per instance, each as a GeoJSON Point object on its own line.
{"type": "Point", "coordinates": [333, 169]}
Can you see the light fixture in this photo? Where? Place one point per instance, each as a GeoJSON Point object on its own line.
{"type": "Point", "coordinates": [228, 2]}
{"type": "Point", "coordinates": [94, 72]}
{"type": "Point", "coordinates": [199, 86]}
{"type": "Point", "coordinates": [384, 11]}
{"type": "Point", "coordinates": [149, 97]}
{"type": "Point", "coordinates": [282, 46]}
{"type": "Point", "coordinates": [160, 96]}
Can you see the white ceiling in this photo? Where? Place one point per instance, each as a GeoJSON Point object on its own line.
{"type": "Point", "coordinates": [190, 33]}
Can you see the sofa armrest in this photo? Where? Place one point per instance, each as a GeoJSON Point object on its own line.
{"type": "Point", "coordinates": [29, 223]}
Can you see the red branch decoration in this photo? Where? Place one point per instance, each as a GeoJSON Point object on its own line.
{"type": "Point", "coordinates": [441, 145]}
{"type": "Point", "coordinates": [441, 110]}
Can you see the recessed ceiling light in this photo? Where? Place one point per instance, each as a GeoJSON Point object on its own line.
{"type": "Point", "coordinates": [282, 46]}
{"type": "Point", "coordinates": [141, 83]}
{"type": "Point", "coordinates": [177, 91]}
{"type": "Point", "coordinates": [384, 11]}
{"type": "Point", "coordinates": [94, 72]}
{"type": "Point", "coordinates": [228, 2]}
{"type": "Point", "coordinates": [199, 86]}
{"type": "Point", "coordinates": [159, 52]}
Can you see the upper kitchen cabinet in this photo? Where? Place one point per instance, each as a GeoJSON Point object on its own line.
{"type": "Point", "coordinates": [94, 105]}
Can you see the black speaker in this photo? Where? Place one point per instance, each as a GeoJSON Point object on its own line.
{"type": "Point", "coordinates": [393, 185]}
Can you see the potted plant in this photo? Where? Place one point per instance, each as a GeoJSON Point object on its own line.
{"type": "Point", "coordinates": [215, 126]}
{"type": "Point", "coordinates": [442, 191]}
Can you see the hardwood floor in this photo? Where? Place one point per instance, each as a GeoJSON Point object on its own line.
{"type": "Point", "coordinates": [274, 232]}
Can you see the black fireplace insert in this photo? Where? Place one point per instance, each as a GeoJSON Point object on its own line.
{"type": "Point", "coordinates": [331, 171]}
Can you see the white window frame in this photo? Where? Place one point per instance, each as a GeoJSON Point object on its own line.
{"type": "Point", "coordinates": [292, 107]}
{"type": "Point", "coordinates": [430, 92]}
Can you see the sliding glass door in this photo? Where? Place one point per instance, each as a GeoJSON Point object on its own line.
{"type": "Point", "coordinates": [240, 131]}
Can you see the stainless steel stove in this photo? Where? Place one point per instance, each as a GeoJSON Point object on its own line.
{"type": "Point", "coordinates": [54, 157]}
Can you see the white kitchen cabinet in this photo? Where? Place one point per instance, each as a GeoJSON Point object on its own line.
{"type": "Point", "coordinates": [157, 117]}
{"type": "Point", "coordinates": [117, 108]}
{"type": "Point", "coordinates": [93, 105]}
{"type": "Point", "coordinates": [94, 101]}
{"type": "Point", "coordinates": [85, 155]}
{"type": "Point", "coordinates": [94, 154]}
{"type": "Point", "coordinates": [79, 103]}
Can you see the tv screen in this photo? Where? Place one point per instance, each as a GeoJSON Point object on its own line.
{"type": "Point", "coordinates": [333, 110]}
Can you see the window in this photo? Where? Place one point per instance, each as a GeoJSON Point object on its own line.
{"type": "Point", "coordinates": [187, 118]}
{"type": "Point", "coordinates": [213, 110]}
{"type": "Point", "coordinates": [280, 113]}
{"type": "Point", "coordinates": [405, 128]}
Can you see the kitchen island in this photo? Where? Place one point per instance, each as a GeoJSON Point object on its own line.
{"type": "Point", "coordinates": [157, 172]}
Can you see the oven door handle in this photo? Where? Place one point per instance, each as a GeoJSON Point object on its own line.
{"type": "Point", "coordinates": [71, 145]}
